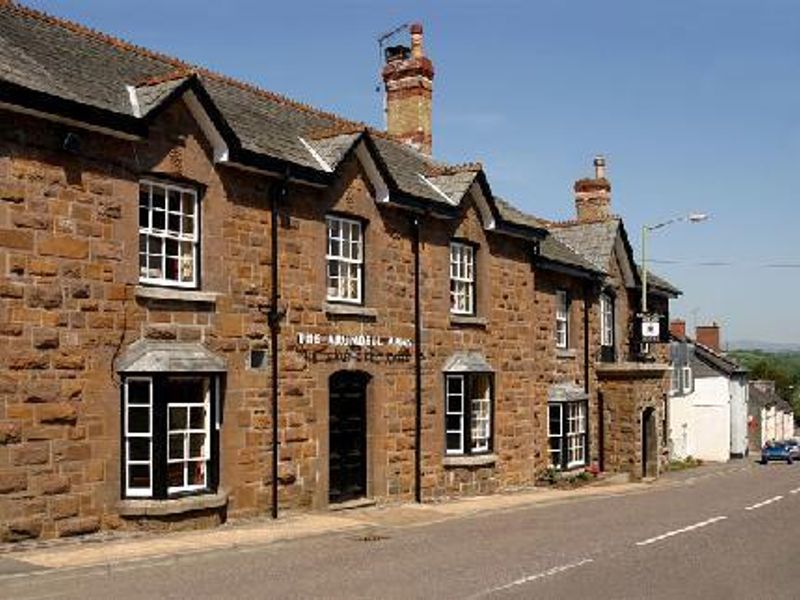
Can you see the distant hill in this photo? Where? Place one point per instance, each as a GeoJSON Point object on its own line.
{"type": "Point", "coordinates": [765, 346]}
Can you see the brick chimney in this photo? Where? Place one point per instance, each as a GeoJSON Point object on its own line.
{"type": "Point", "coordinates": [408, 77]}
{"type": "Point", "coordinates": [708, 335]}
{"type": "Point", "coordinates": [677, 327]}
{"type": "Point", "coordinates": [593, 195]}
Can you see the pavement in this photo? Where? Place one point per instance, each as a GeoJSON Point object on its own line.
{"type": "Point", "coordinates": [90, 551]}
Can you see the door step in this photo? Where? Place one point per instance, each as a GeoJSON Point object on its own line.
{"type": "Point", "coordinates": [351, 504]}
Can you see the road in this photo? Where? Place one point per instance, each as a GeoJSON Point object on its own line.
{"type": "Point", "coordinates": [718, 532]}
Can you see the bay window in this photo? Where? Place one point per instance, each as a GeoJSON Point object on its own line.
{"type": "Point", "coordinates": [468, 413]}
{"type": "Point", "coordinates": [170, 438]}
{"type": "Point", "coordinates": [567, 434]}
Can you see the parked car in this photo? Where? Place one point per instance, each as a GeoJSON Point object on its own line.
{"type": "Point", "coordinates": [776, 451]}
{"type": "Point", "coordinates": [794, 448]}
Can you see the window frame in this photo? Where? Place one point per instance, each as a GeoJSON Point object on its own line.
{"type": "Point", "coordinates": [360, 263]}
{"type": "Point", "coordinates": [562, 319]}
{"type": "Point", "coordinates": [675, 387]}
{"type": "Point", "coordinates": [164, 234]}
{"type": "Point", "coordinates": [687, 379]}
{"type": "Point", "coordinates": [569, 440]}
{"type": "Point", "coordinates": [159, 487]}
{"type": "Point", "coordinates": [468, 281]}
{"type": "Point", "coordinates": [607, 320]}
{"type": "Point", "coordinates": [466, 414]}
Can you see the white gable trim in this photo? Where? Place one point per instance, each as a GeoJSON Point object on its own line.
{"type": "Point", "coordinates": [135, 108]}
{"type": "Point", "coordinates": [321, 161]}
{"type": "Point", "coordinates": [374, 176]}
{"type": "Point", "coordinates": [436, 189]}
{"type": "Point", "coordinates": [214, 137]}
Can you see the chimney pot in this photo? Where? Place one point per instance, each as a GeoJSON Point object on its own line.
{"type": "Point", "coordinates": [408, 80]}
{"type": "Point", "coordinates": [599, 167]}
{"type": "Point", "coordinates": [593, 195]}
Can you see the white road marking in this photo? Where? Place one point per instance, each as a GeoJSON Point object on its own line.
{"type": "Point", "coordinates": [795, 491]}
{"type": "Point", "coordinates": [530, 578]}
{"type": "Point", "coordinates": [764, 503]}
{"type": "Point", "coordinates": [669, 534]}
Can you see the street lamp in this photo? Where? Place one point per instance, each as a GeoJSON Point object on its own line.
{"type": "Point", "coordinates": [690, 218]}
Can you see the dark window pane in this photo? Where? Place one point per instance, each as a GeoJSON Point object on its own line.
{"type": "Point", "coordinates": [453, 423]}
{"type": "Point", "coordinates": [172, 247]}
{"type": "Point", "coordinates": [175, 474]}
{"type": "Point", "coordinates": [172, 268]}
{"type": "Point", "coordinates": [158, 197]}
{"type": "Point", "coordinates": [144, 195]}
{"type": "Point", "coordinates": [186, 390]}
{"type": "Point", "coordinates": [139, 448]}
{"type": "Point", "coordinates": [138, 420]}
{"type": "Point", "coordinates": [174, 223]}
{"type": "Point", "coordinates": [197, 473]}
{"type": "Point", "coordinates": [176, 445]}
{"type": "Point", "coordinates": [196, 445]}
{"type": "Point", "coordinates": [158, 219]}
{"type": "Point", "coordinates": [138, 476]}
{"type": "Point", "coordinates": [144, 217]}
{"type": "Point", "coordinates": [197, 418]}
{"type": "Point", "coordinates": [453, 441]}
{"type": "Point", "coordinates": [454, 385]}
{"type": "Point", "coordinates": [138, 391]}
{"type": "Point", "coordinates": [454, 404]}
{"type": "Point", "coordinates": [174, 201]}
{"type": "Point", "coordinates": [177, 417]}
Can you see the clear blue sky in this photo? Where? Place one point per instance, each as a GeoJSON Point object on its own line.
{"type": "Point", "coordinates": [694, 102]}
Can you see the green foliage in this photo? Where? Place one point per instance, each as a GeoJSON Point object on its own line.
{"type": "Point", "coordinates": [687, 463]}
{"type": "Point", "coordinates": [781, 367]}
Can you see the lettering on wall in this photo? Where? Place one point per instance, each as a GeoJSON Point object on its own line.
{"type": "Point", "coordinates": [377, 349]}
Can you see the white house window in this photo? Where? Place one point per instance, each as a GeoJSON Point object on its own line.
{"type": "Point", "coordinates": [468, 413]}
{"type": "Point", "coordinates": [168, 234]}
{"type": "Point", "coordinates": [566, 432]}
{"type": "Point", "coordinates": [688, 380]}
{"type": "Point", "coordinates": [168, 445]}
{"type": "Point", "coordinates": [674, 380]}
{"type": "Point", "coordinates": [555, 434]}
{"type": "Point", "coordinates": [462, 279]}
{"type": "Point", "coordinates": [345, 259]}
{"type": "Point", "coordinates": [562, 319]}
{"type": "Point", "coordinates": [606, 320]}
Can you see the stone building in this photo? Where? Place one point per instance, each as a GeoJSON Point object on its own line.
{"type": "Point", "coordinates": [215, 301]}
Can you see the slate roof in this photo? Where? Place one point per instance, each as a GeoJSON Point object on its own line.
{"type": "Point", "coordinates": [68, 61]}
{"type": "Point", "coordinates": [593, 240]}
{"type": "Point", "coordinates": [708, 362]}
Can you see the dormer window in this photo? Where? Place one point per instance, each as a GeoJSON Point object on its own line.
{"type": "Point", "coordinates": [345, 260]}
{"type": "Point", "coordinates": [168, 235]}
{"type": "Point", "coordinates": [462, 279]}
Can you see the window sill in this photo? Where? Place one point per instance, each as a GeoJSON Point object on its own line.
{"type": "Point", "coordinates": [350, 310]}
{"type": "Point", "coordinates": [175, 295]}
{"type": "Point", "coordinates": [480, 460]}
{"type": "Point", "coordinates": [468, 321]}
{"type": "Point", "coordinates": [568, 353]}
{"type": "Point", "coordinates": [147, 507]}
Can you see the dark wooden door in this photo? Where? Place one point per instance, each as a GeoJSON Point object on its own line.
{"type": "Point", "coordinates": [347, 437]}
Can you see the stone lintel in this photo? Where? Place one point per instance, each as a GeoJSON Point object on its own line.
{"type": "Point", "coordinates": [468, 321]}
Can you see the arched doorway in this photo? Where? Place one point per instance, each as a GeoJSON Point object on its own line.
{"type": "Point", "coordinates": [347, 436]}
{"type": "Point", "coordinates": [649, 443]}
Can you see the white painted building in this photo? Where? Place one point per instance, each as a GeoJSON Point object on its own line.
{"type": "Point", "coordinates": [770, 418]}
{"type": "Point", "coordinates": [708, 402]}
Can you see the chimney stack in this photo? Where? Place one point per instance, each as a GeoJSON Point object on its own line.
{"type": "Point", "coordinates": [677, 327]}
{"type": "Point", "coordinates": [408, 78]}
{"type": "Point", "coordinates": [708, 335]}
{"type": "Point", "coordinates": [593, 195]}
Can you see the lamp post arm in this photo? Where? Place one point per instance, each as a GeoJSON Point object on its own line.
{"type": "Point", "coordinates": [645, 229]}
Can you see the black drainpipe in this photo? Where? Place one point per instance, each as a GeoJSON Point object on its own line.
{"type": "Point", "coordinates": [586, 308]}
{"type": "Point", "coordinates": [415, 224]}
{"type": "Point", "coordinates": [279, 193]}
